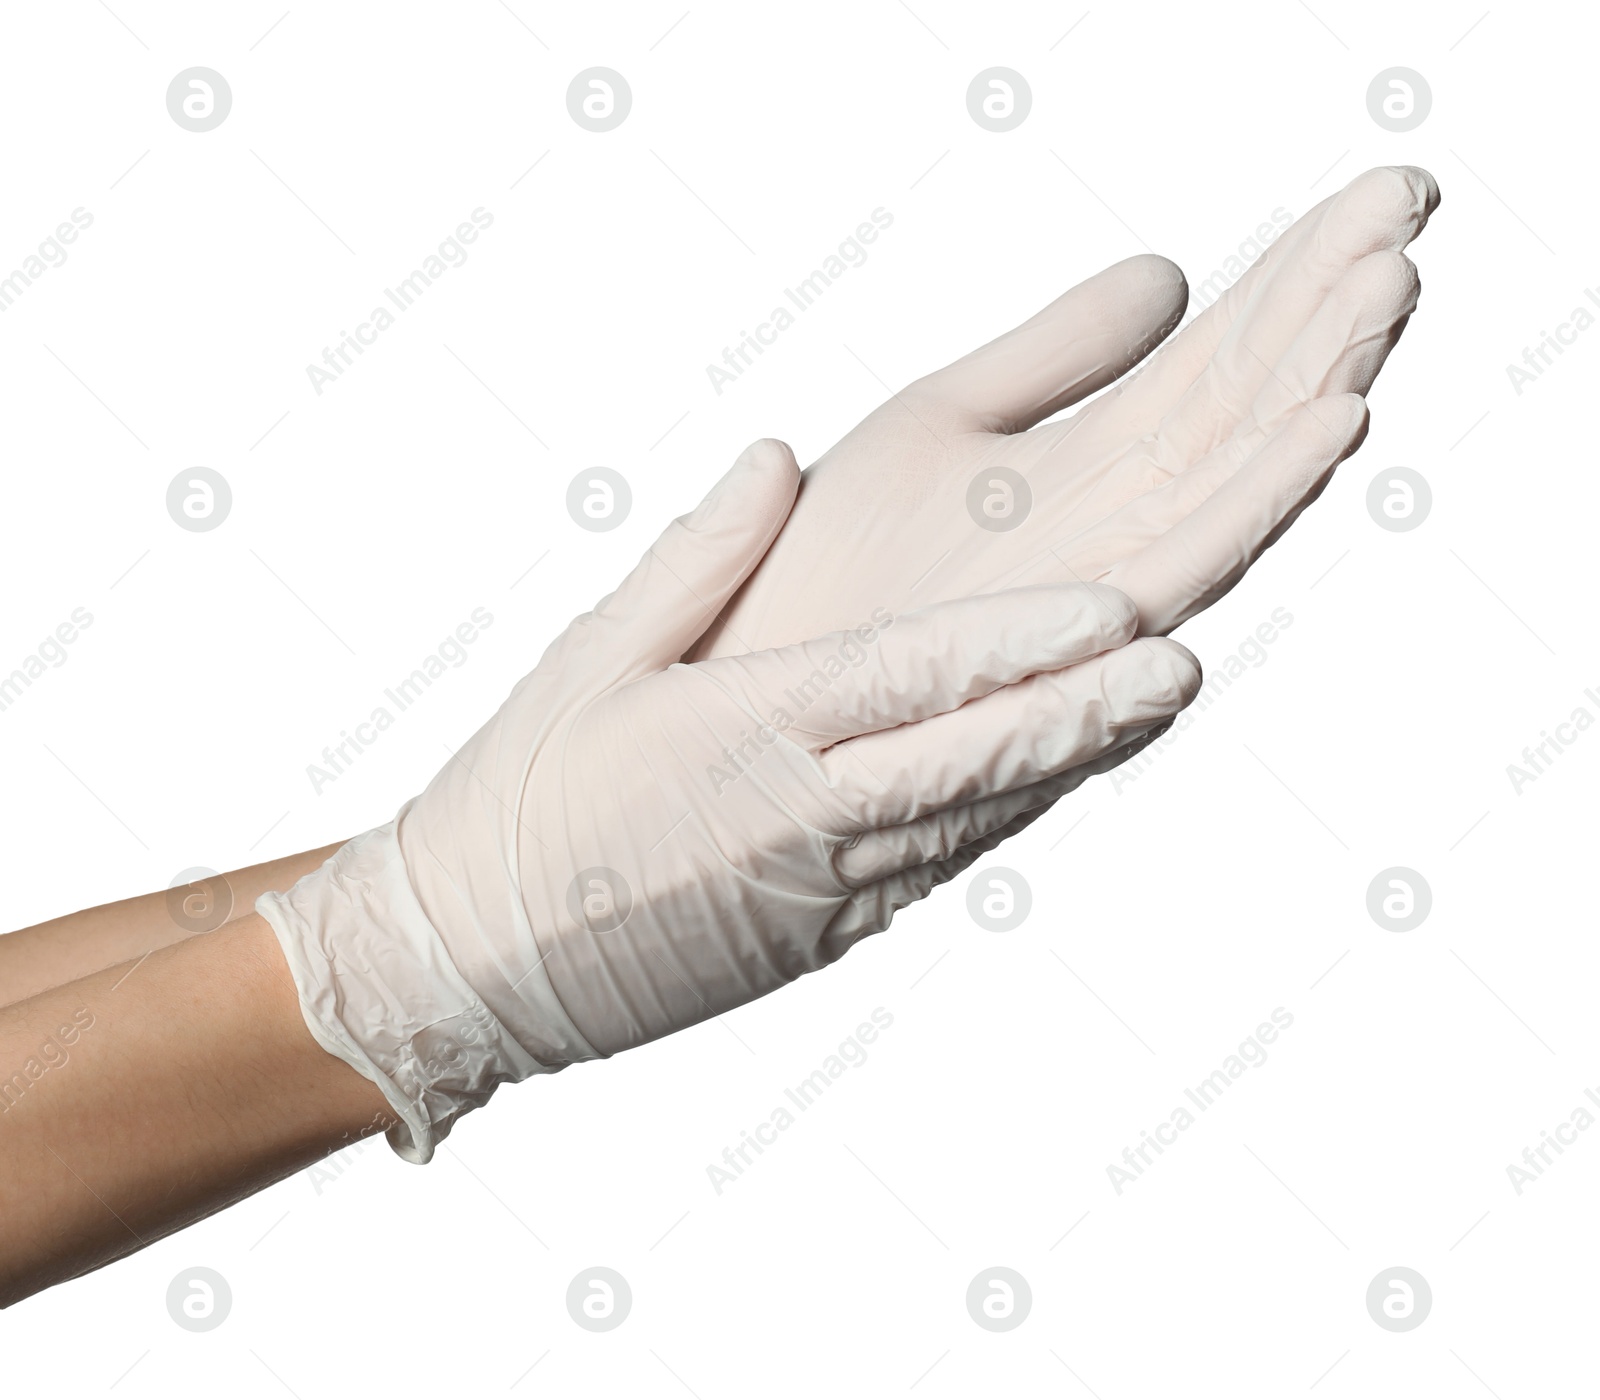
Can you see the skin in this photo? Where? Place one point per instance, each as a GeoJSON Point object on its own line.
{"type": "Point", "coordinates": [51, 954]}
{"type": "Point", "coordinates": [175, 1072]}
{"type": "Point", "coordinates": [190, 1082]}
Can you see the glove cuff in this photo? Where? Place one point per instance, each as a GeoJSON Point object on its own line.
{"type": "Point", "coordinates": [379, 990]}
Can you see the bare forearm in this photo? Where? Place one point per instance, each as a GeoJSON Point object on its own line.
{"type": "Point", "coordinates": [62, 950]}
{"type": "Point", "coordinates": [143, 1097]}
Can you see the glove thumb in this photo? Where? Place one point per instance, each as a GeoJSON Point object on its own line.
{"type": "Point", "coordinates": [688, 575]}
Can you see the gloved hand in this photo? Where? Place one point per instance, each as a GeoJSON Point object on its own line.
{"type": "Point", "coordinates": [1168, 487]}
{"type": "Point", "coordinates": [633, 844]}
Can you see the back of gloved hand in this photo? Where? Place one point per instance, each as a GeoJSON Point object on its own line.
{"type": "Point", "coordinates": [633, 844]}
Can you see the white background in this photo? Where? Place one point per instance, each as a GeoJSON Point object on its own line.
{"type": "Point", "coordinates": [1225, 882]}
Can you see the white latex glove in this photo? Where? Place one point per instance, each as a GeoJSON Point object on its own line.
{"type": "Point", "coordinates": [1168, 487]}
{"type": "Point", "coordinates": [634, 844]}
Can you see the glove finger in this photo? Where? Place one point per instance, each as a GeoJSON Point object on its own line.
{"type": "Point", "coordinates": [896, 671]}
{"type": "Point", "coordinates": [1195, 389]}
{"type": "Point", "coordinates": [870, 909]}
{"type": "Point", "coordinates": [1085, 339]}
{"type": "Point", "coordinates": [1340, 351]}
{"type": "Point", "coordinates": [1134, 408]}
{"type": "Point", "coordinates": [1229, 517]}
{"type": "Point", "coordinates": [1008, 739]}
{"type": "Point", "coordinates": [1342, 348]}
{"type": "Point", "coordinates": [1380, 210]}
{"type": "Point", "coordinates": [876, 855]}
{"type": "Point", "coordinates": [688, 575]}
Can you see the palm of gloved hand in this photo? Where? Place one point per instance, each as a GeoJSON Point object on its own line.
{"type": "Point", "coordinates": [1168, 487]}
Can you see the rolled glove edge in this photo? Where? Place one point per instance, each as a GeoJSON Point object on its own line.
{"type": "Point", "coordinates": [377, 989]}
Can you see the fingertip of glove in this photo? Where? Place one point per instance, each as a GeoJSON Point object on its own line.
{"type": "Point", "coordinates": [1385, 280]}
{"type": "Point", "coordinates": [1163, 272]}
{"type": "Point", "coordinates": [1389, 201]}
{"type": "Point", "coordinates": [1351, 414]}
{"type": "Point", "coordinates": [1152, 679]}
{"type": "Point", "coordinates": [772, 462]}
{"type": "Point", "coordinates": [1430, 187]}
{"type": "Point", "coordinates": [768, 455]}
{"type": "Point", "coordinates": [1183, 673]}
{"type": "Point", "coordinates": [1114, 613]}
{"type": "Point", "coordinates": [1342, 417]}
{"type": "Point", "coordinates": [1158, 279]}
{"type": "Point", "coordinates": [1190, 674]}
{"type": "Point", "coordinates": [761, 483]}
